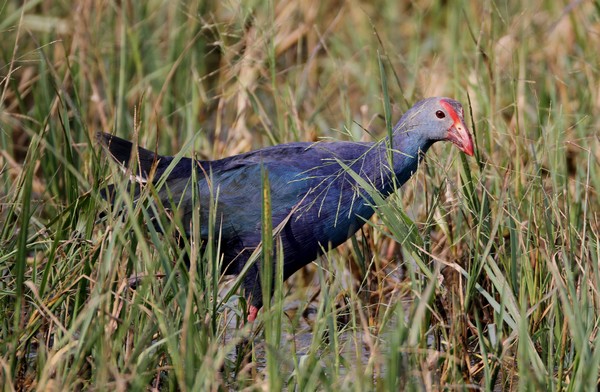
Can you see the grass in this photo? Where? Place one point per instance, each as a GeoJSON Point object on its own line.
{"type": "Point", "coordinates": [479, 273]}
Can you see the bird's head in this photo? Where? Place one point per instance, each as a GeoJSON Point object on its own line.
{"type": "Point", "coordinates": [439, 119]}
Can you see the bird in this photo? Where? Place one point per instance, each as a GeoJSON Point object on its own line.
{"type": "Point", "coordinates": [316, 197]}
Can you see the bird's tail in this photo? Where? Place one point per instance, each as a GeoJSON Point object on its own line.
{"type": "Point", "coordinates": [146, 162]}
{"type": "Point", "coordinates": [141, 164]}
{"type": "Point", "coordinates": [144, 166]}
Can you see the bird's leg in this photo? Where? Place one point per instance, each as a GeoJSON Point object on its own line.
{"type": "Point", "coordinates": [253, 295]}
{"type": "Point", "coordinates": [253, 292]}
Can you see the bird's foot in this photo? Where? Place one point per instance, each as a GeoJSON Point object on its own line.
{"type": "Point", "coordinates": [252, 313]}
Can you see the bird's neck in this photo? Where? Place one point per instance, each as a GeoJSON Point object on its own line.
{"type": "Point", "coordinates": [393, 161]}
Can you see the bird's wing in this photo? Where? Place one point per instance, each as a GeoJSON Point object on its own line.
{"type": "Point", "coordinates": [297, 172]}
{"type": "Point", "coordinates": [235, 184]}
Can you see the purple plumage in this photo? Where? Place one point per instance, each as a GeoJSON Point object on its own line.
{"type": "Point", "coordinates": [312, 189]}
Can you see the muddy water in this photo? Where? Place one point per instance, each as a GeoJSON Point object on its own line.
{"type": "Point", "coordinates": [297, 338]}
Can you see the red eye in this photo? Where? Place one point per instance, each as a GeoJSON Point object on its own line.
{"type": "Point", "coordinates": [440, 114]}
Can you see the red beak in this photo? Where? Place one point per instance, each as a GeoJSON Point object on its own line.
{"type": "Point", "coordinates": [460, 135]}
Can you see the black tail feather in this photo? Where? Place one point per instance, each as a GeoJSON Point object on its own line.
{"type": "Point", "coordinates": [120, 150]}
{"type": "Point", "coordinates": [145, 166]}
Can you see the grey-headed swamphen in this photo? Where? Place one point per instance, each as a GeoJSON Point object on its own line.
{"type": "Point", "coordinates": [312, 191]}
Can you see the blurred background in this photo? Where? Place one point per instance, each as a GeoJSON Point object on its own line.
{"type": "Point", "coordinates": [497, 290]}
